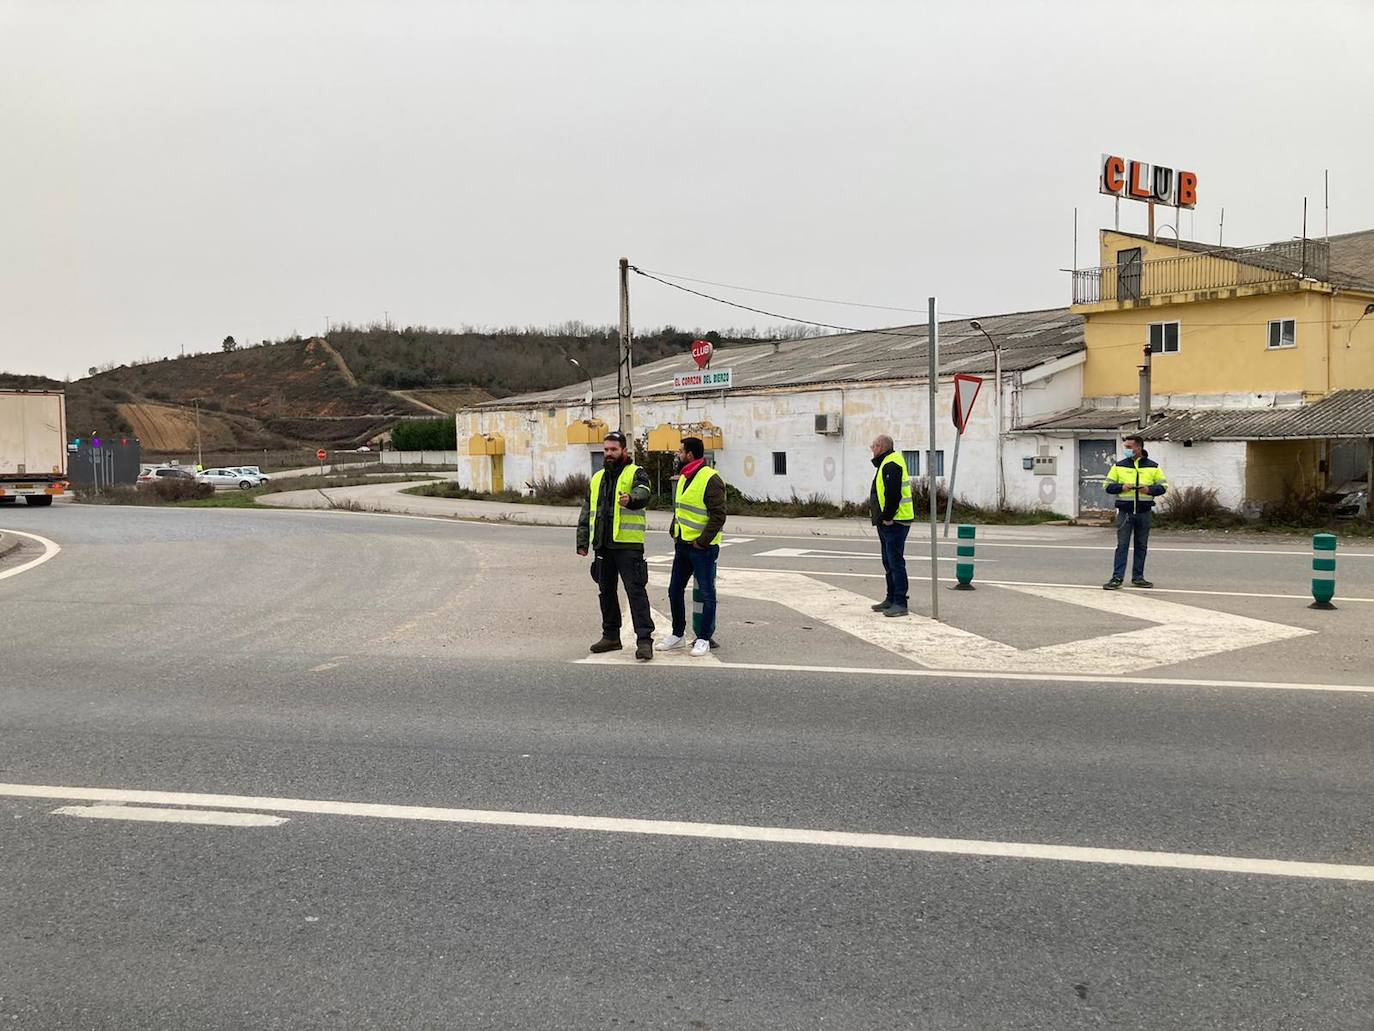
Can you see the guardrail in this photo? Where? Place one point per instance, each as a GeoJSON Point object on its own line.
{"type": "Point", "coordinates": [1220, 269]}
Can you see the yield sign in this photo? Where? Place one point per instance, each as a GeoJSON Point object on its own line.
{"type": "Point", "coordinates": [966, 389]}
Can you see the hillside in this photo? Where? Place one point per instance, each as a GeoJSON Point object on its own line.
{"type": "Point", "coordinates": [339, 391]}
{"type": "Point", "coordinates": [502, 363]}
{"type": "Point", "coordinates": [274, 396]}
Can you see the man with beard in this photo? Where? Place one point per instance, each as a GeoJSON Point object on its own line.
{"type": "Point", "coordinates": [612, 525]}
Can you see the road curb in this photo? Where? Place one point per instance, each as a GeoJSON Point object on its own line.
{"type": "Point", "coordinates": [9, 543]}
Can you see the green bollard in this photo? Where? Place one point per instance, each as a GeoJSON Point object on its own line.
{"type": "Point", "coordinates": [1323, 570]}
{"type": "Point", "coordinates": [963, 562]}
{"type": "Point", "coordinates": [696, 614]}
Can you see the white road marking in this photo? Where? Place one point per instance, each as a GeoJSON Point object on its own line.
{"type": "Point", "coordinates": [1101, 679]}
{"type": "Point", "coordinates": [207, 817]}
{"type": "Point", "coordinates": [913, 541]}
{"type": "Point", "coordinates": [495, 523]}
{"type": "Point", "coordinates": [870, 554]}
{"type": "Point", "coordinates": [662, 625]}
{"type": "Point", "coordinates": [1182, 632]}
{"type": "Point", "coordinates": [50, 550]}
{"type": "Point", "coordinates": [980, 582]}
{"type": "Point", "coordinates": [719, 831]}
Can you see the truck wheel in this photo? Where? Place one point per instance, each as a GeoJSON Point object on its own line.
{"type": "Point", "coordinates": [39, 499]}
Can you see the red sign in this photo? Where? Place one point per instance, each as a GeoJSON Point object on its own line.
{"type": "Point", "coordinates": [321, 454]}
{"type": "Point", "coordinates": [965, 393]}
{"type": "Point", "coordinates": [701, 353]}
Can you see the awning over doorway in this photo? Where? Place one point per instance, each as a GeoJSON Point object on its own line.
{"type": "Point", "coordinates": [587, 431]}
{"type": "Point", "coordinates": [668, 436]}
{"type": "Point", "coordinates": [1343, 415]}
{"type": "Point", "coordinates": [486, 444]}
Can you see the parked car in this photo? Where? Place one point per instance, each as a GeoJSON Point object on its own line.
{"type": "Point", "coordinates": [364, 450]}
{"type": "Point", "coordinates": [167, 472]}
{"type": "Point", "coordinates": [1348, 501]}
{"type": "Point", "coordinates": [225, 479]}
{"type": "Point", "coordinates": [253, 470]}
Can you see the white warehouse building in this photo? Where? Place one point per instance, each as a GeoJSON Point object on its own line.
{"type": "Point", "coordinates": [798, 416]}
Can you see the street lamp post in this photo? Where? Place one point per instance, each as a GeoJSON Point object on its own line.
{"type": "Point", "coordinates": [591, 386]}
{"type": "Point", "coordinates": [200, 458]}
{"type": "Point", "coordinates": [997, 376]}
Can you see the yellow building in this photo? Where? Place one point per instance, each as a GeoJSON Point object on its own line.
{"type": "Point", "coordinates": [1269, 350]}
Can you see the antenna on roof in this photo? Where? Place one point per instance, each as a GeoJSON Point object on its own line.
{"type": "Point", "coordinates": [1326, 204]}
{"type": "Point", "coordinates": [1221, 226]}
{"type": "Point", "coordinates": [1075, 239]}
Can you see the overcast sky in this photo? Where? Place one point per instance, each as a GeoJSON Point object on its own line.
{"type": "Point", "coordinates": [175, 172]}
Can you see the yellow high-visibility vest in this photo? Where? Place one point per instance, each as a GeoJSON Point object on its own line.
{"type": "Point", "coordinates": [906, 511]}
{"type": "Point", "coordinates": [627, 527]}
{"type": "Point", "coordinates": [689, 506]}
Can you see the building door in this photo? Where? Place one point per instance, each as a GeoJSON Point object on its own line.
{"type": "Point", "coordinates": [1095, 457]}
{"type": "Point", "coordinates": [1128, 268]}
{"type": "Point", "coordinates": [498, 473]}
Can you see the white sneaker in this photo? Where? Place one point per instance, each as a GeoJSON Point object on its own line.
{"type": "Point", "coordinates": [701, 647]}
{"type": "Point", "coordinates": [671, 641]}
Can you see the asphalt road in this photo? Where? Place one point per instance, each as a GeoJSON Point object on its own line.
{"type": "Point", "coordinates": [298, 657]}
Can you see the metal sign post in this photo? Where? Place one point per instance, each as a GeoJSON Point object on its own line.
{"type": "Point", "coordinates": [965, 393]}
{"type": "Point", "coordinates": [321, 455]}
{"type": "Point", "coordinates": [933, 346]}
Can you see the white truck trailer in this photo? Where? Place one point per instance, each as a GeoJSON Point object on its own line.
{"type": "Point", "coordinates": [33, 446]}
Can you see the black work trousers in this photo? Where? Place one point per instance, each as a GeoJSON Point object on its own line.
{"type": "Point", "coordinates": [626, 565]}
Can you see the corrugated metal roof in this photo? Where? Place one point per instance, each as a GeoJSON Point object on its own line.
{"type": "Point", "coordinates": [1027, 339]}
{"type": "Point", "coordinates": [1344, 414]}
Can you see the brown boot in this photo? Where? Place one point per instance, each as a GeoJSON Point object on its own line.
{"type": "Point", "coordinates": [606, 644]}
{"type": "Point", "coordinates": [644, 650]}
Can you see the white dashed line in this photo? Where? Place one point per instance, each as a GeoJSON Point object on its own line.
{"type": "Point", "coordinates": [721, 831]}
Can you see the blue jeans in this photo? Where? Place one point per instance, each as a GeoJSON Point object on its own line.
{"type": "Point", "coordinates": [689, 562]}
{"type": "Point", "coordinates": [893, 540]}
{"type": "Point", "coordinates": [1131, 524]}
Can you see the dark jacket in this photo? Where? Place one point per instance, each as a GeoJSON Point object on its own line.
{"type": "Point", "coordinates": [605, 510]}
{"type": "Point", "coordinates": [1127, 474]}
{"type": "Point", "coordinates": [892, 489]}
{"type": "Point", "coordinates": [715, 509]}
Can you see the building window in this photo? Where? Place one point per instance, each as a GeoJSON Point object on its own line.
{"type": "Point", "coordinates": [1283, 333]}
{"type": "Point", "coordinates": [779, 463]}
{"type": "Point", "coordinates": [913, 462]}
{"type": "Point", "coordinates": [939, 463]}
{"type": "Point", "coordinates": [599, 460]}
{"type": "Point", "coordinates": [1164, 337]}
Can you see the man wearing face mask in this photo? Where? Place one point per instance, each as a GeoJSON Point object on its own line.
{"type": "Point", "coordinates": [1135, 481]}
{"type": "Point", "coordinates": [612, 524]}
{"type": "Point", "coordinates": [698, 516]}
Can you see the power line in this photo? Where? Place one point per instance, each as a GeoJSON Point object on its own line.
{"type": "Point", "coordinates": [745, 307]}
{"type": "Point", "coordinates": [795, 297]}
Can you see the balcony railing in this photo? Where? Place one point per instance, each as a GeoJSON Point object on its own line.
{"type": "Point", "coordinates": [1220, 269]}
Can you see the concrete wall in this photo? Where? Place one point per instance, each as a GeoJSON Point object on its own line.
{"type": "Point", "coordinates": [757, 424]}
{"type": "Point", "coordinates": [1275, 466]}
{"type": "Point", "coordinates": [421, 457]}
{"type": "Point", "coordinates": [1220, 465]}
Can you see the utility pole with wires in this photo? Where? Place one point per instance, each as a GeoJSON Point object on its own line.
{"type": "Point", "coordinates": [625, 385]}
